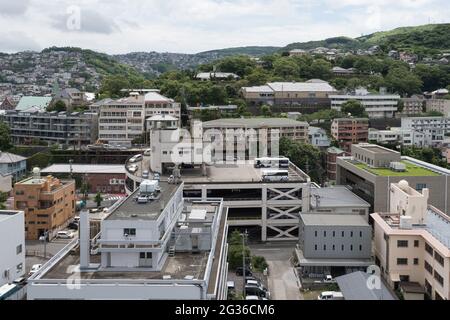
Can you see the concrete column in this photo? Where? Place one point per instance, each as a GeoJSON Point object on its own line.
{"type": "Point", "coordinates": [85, 237]}
{"type": "Point", "coordinates": [264, 213]}
{"type": "Point", "coordinates": [204, 193]}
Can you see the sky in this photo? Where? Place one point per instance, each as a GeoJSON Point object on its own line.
{"type": "Point", "coordinates": [191, 26]}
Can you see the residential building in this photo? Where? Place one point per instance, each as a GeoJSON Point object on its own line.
{"type": "Point", "coordinates": [165, 248]}
{"type": "Point", "coordinates": [376, 105]}
{"type": "Point", "coordinates": [338, 200]}
{"type": "Point", "coordinates": [206, 76]}
{"type": "Point", "coordinates": [413, 105]}
{"type": "Point", "coordinates": [332, 154]}
{"type": "Point", "coordinates": [435, 128]}
{"type": "Point", "coordinates": [438, 105]}
{"type": "Point", "coordinates": [5, 183]}
{"type": "Point", "coordinates": [267, 209]}
{"type": "Point", "coordinates": [333, 244]}
{"type": "Point", "coordinates": [107, 179]}
{"type": "Point", "coordinates": [348, 131]}
{"type": "Point", "coordinates": [412, 243]}
{"type": "Point", "coordinates": [48, 203]}
{"type": "Point", "coordinates": [342, 72]}
{"type": "Point", "coordinates": [124, 120]}
{"type": "Point", "coordinates": [318, 137]}
{"type": "Point", "coordinates": [312, 92]}
{"type": "Point", "coordinates": [12, 164]}
{"type": "Point", "coordinates": [297, 53]}
{"type": "Point", "coordinates": [53, 127]}
{"type": "Point", "coordinates": [12, 250]}
{"type": "Point", "coordinates": [370, 170]}
{"type": "Point", "coordinates": [71, 97]}
{"type": "Point", "coordinates": [399, 136]}
{"type": "Point", "coordinates": [31, 104]}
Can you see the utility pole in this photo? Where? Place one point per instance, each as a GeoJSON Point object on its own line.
{"type": "Point", "coordinates": [71, 169]}
{"type": "Point", "coordinates": [244, 271]}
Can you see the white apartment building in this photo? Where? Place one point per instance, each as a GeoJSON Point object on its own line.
{"type": "Point", "coordinates": [376, 105]}
{"type": "Point", "coordinates": [153, 245]}
{"type": "Point", "coordinates": [318, 137]}
{"type": "Point", "coordinates": [123, 120]}
{"type": "Point", "coordinates": [434, 128]}
{"type": "Point", "coordinates": [12, 248]}
{"type": "Point", "coordinates": [405, 137]}
{"type": "Point", "coordinates": [438, 105]}
{"type": "Point", "coordinates": [412, 244]}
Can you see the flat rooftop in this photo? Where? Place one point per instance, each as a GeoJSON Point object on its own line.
{"type": "Point", "coordinates": [4, 215]}
{"type": "Point", "coordinates": [336, 197]}
{"type": "Point", "coordinates": [84, 168]}
{"type": "Point", "coordinates": [317, 219]}
{"type": "Point", "coordinates": [412, 170]}
{"type": "Point", "coordinates": [235, 173]}
{"type": "Point", "coordinates": [253, 123]}
{"type": "Point", "coordinates": [377, 149]}
{"type": "Point", "coordinates": [129, 208]}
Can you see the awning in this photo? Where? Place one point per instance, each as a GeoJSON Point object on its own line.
{"type": "Point", "coordinates": [395, 277]}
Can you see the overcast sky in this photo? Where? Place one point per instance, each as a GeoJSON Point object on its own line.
{"type": "Point", "coordinates": [190, 26]}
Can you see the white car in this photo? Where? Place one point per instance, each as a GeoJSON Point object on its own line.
{"type": "Point", "coordinates": [64, 235]}
{"type": "Point", "coordinates": [133, 168]}
{"type": "Point", "coordinates": [35, 268]}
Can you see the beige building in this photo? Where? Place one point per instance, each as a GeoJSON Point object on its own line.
{"type": "Point", "coordinates": [412, 244]}
{"type": "Point", "coordinates": [48, 203]}
{"type": "Point", "coordinates": [439, 105]}
{"type": "Point", "coordinates": [124, 120]}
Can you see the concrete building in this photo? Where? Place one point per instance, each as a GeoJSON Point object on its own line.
{"type": "Point", "coordinates": [434, 128]}
{"type": "Point", "coordinates": [342, 72]}
{"type": "Point", "coordinates": [399, 136]}
{"type": "Point", "coordinates": [312, 92]}
{"type": "Point", "coordinates": [123, 120]}
{"type": "Point", "coordinates": [71, 97]}
{"type": "Point", "coordinates": [370, 170]}
{"type": "Point", "coordinates": [206, 76]}
{"type": "Point", "coordinates": [413, 105]}
{"type": "Point", "coordinates": [12, 248]}
{"type": "Point", "coordinates": [338, 200]}
{"type": "Point", "coordinates": [53, 127]}
{"type": "Point", "coordinates": [298, 53]}
{"type": "Point", "coordinates": [167, 248]}
{"type": "Point", "coordinates": [333, 244]}
{"type": "Point", "coordinates": [376, 105]}
{"type": "Point", "coordinates": [348, 131]}
{"type": "Point", "coordinates": [438, 105]}
{"type": "Point", "coordinates": [5, 183]}
{"type": "Point", "coordinates": [318, 137]}
{"type": "Point", "coordinates": [354, 287]}
{"type": "Point", "coordinates": [48, 203]}
{"type": "Point", "coordinates": [267, 209]}
{"type": "Point", "coordinates": [332, 154]}
{"type": "Point", "coordinates": [412, 244]}
{"type": "Point", "coordinates": [12, 164]}
{"type": "Point", "coordinates": [100, 178]}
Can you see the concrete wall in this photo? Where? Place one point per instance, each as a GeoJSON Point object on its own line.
{"type": "Point", "coordinates": [11, 236]}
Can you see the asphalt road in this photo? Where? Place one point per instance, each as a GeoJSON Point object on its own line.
{"type": "Point", "coordinates": [282, 280]}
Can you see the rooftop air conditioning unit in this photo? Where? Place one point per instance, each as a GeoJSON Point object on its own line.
{"type": "Point", "coordinates": [397, 166]}
{"type": "Point", "coordinates": [406, 222]}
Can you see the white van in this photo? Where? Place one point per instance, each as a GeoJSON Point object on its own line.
{"type": "Point", "coordinates": [64, 235]}
{"type": "Point", "coordinates": [330, 295]}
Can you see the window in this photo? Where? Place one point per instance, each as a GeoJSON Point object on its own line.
{"type": "Point", "coordinates": [324, 247]}
{"type": "Point", "coordinates": [416, 243]}
{"type": "Point", "coordinates": [19, 249]}
{"type": "Point", "coordinates": [439, 258]}
{"type": "Point", "coordinates": [402, 244]}
{"type": "Point", "coordinates": [428, 267]}
{"type": "Point", "coordinates": [315, 247]}
{"type": "Point", "coordinates": [439, 278]}
{"type": "Point", "coordinates": [145, 255]}
{"type": "Point", "coordinates": [129, 232]}
{"type": "Point", "coordinates": [360, 234]}
{"type": "Point", "coordinates": [429, 249]}
{"type": "Point", "coordinates": [342, 247]}
{"type": "Point", "coordinates": [334, 247]}
{"type": "Point", "coordinates": [343, 234]}
{"type": "Point", "coordinates": [421, 186]}
{"type": "Point", "coordinates": [315, 233]}
{"type": "Point", "coordinates": [19, 267]}
{"type": "Point", "coordinates": [360, 247]}
{"type": "Point", "coordinates": [324, 233]}
{"type": "Point", "coordinates": [402, 261]}
{"type": "Point", "coordinates": [351, 234]}
{"type": "Point", "coordinates": [416, 261]}
{"type": "Point", "coordinates": [334, 234]}
{"type": "Point", "coordinates": [351, 247]}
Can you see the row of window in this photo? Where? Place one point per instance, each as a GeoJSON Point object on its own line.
{"type": "Point", "coordinates": [404, 261]}
{"type": "Point", "coordinates": [405, 243]}
{"type": "Point", "coordinates": [316, 234]}
{"type": "Point", "coordinates": [333, 248]}
{"type": "Point", "coordinates": [436, 255]}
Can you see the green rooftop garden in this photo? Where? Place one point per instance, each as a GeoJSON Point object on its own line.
{"type": "Point", "coordinates": [412, 170]}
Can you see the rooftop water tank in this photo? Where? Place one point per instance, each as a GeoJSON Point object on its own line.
{"type": "Point", "coordinates": [148, 186]}
{"type": "Point", "coordinates": [406, 222]}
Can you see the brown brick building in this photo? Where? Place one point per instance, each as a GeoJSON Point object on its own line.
{"type": "Point", "coordinates": [48, 203]}
{"type": "Point", "coordinates": [348, 131]}
{"type": "Point", "coordinates": [332, 154]}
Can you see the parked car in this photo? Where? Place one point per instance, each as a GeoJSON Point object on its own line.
{"type": "Point", "coordinates": [231, 285]}
{"type": "Point", "coordinates": [329, 279]}
{"type": "Point", "coordinates": [35, 268]}
{"type": "Point", "coordinates": [146, 174]}
{"type": "Point", "coordinates": [147, 152]}
{"type": "Point", "coordinates": [73, 226]}
{"type": "Point", "coordinates": [254, 298]}
{"type": "Point", "coordinates": [76, 219]}
{"type": "Point", "coordinates": [136, 158]}
{"type": "Point", "coordinates": [330, 295]}
{"type": "Point", "coordinates": [133, 168]}
{"type": "Point", "coordinates": [256, 291]}
{"type": "Point", "coordinates": [240, 272]}
{"type": "Point", "coordinates": [64, 235]}
{"type": "Point", "coordinates": [256, 283]}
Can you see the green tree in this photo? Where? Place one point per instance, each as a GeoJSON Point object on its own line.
{"type": "Point", "coordinates": [401, 80]}
{"type": "Point", "coordinates": [98, 199]}
{"type": "Point", "coordinates": [266, 111]}
{"type": "Point", "coordinates": [286, 68]}
{"type": "Point", "coordinates": [5, 137]}
{"type": "Point", "coordinates": [3, 198]}
{"type": "Point", "coordinates": [57, 106]}
{"type": "Point", "coordinates": [353, 107]}
{"type": "Point", "coordinates": [236, 250]}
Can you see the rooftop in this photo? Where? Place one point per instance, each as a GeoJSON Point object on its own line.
{"type": "Point", "coordinates": [336, 197]}
{"type": "Point", "coordinates": [84, 168]}
{"type": "Point", "coordinates": [130, 209]}
{"type": "Point", "coordinates": [302, 86]}
{"type": "Point", "coordinates": [26, 103]}
{"type": "Point", "coordinates": [412, 170]}
{"type": "Point", "coordinates": [314, 219]}
{"type": "Point", "coordinates": [4, 215]}
{"type": "Point", "coordinates": [354, 287]}
{"type": "Point", "coordinates": [6, 157]}
{"type": "Point", "coordinates": [253, 123]}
